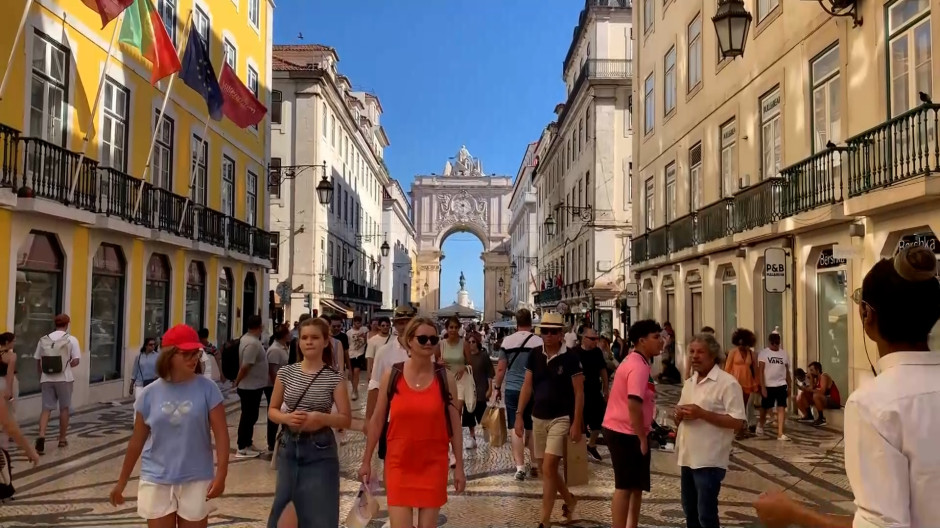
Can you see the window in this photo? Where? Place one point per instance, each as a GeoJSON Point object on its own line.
{"type": "Point", "coordinates": [49, 89]}
{"type": "Point", "coordinates": [106, 332]}
{"type": "Point", "coordinates": [670, 204]}
{"type": "Point", "coordinates": [253, 85]}
{"type": "Point", "coordinates": [274, 187]}
{"type": "Point", "coordinates": [909, 64]}
{"type": "Point", "coordinates": [195, 295]}
{"type": "Point", "coordinates": [39, 274]}
{"type": "Point", "coordinates": [827, 114]}
{"type": "Point", "coordinates": [223, 329]}
{"type": "Point", "coordinates": [694, 74]}
{"type": "Point", "coordinates": [729, 306]}
{"type": "Point", "coordinates": [648, 15]}
{"type": "Point", "coordinates": [729, 159]}
{"type": "Point", "coordinates": [201, 168]}
{"type": "Point", "coordinates": [764, 8]}
{"type": "Point", "coordinates": [770, 133]}
{"type": "Point", "coordinates": [167, 10]}
{"type": "Point", "coordinates": [277, 99]}
{"type": "Point", "coordinates": [254, 13]}
{"type": "Point", "coordinates": [650, 200]}
{"type": "Point", "coordinates": [333, 130]}
{"type": "Point", "coordinates": [251, 198]}
{"type": "Point", "coordinates": [628, 117]}
{"type": "Point", "coordinates": [163, 154]}
{"type": "Point", "coordinates": [325, 124]}
{"type": "Point", "coordinates": [228, 186]}
{"type": "Point", "coordinates": [695, 177]}
{"type": "Point", "coordinates": [114, 126]}
{"type": "Point", "coordinates": [157, 301]}
{"type": "Point", "coordinates": [649, 106]}
{"type": "Point", "coordinates": [669, 95]}
{"type": "Point", "coordinates": [230, 54]}
{"type": "Point", "coordinates": [201, 20]}
{"type": "Point", "coordinates": [274, 254]}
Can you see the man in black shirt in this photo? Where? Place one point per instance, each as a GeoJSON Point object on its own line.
{"type": "Point", "coordinates": [596, 386]}
{"type": "Point", "coordinates": [555, 384]}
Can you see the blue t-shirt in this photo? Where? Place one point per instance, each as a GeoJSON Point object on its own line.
{"type": "Point", "coordinates": [145, 368]}
{"type": "Point", "coordinates": [179, 448]}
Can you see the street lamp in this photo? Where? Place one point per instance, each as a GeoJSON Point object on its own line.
{"type": "Point", "coordinates": [385, 248]}
{"type": "Point", "coordinates": [550, 225]}
{"type": "Point", "coordinates": [500, 283]}
{"type": "Point", "coordinates": [325, 190]}
{"type": "Point", "coordinates": [732, 22]}
{"type": "Point", "coordinates": [513, 267]}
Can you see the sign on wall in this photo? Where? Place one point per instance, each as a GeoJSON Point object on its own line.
{"type": "Point", "coordinates": [632, 294]}
{"type": "Point", "coordinates": [775, 270]}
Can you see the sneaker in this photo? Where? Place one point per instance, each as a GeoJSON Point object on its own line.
{"type": "Point", "coordinates": [807, 418]}
{"type": "Point", "coordinates": [592, 450]}
{"type": "Point", "coordinates": [248, 452]}
{"type": "Point", "coordinates": [783, 438]}
{"type": "Point", "coordinates": [41, 445]}
{"type": "Point", "coordinates": [819, 421]}
{"type": "Point", "coordinates": [759, 431]}
{"type": "Point", "coordinates": [520, 475]}
{"type": "Point", "coordinates": [472, 444]}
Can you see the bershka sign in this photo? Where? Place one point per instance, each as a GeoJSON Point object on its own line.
{"type": "Point", "coordinates": [775, 270]}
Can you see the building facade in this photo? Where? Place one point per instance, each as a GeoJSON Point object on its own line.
{"type": "Point", "coordinates": [329, 255]}
{"type": "Point", "coordinates": [523, 224]}
{"type": "Point", "coordinates": [819, 145]}
{"type": "Point", "coordinates": [398, 230]}
{"type": "Point", "coordinates": [126, 259]}
{"type": "Point", "coordinates": [582, 178]}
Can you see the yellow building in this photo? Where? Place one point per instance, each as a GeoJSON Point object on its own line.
{"type": "Point", "coordinates": [121, 272]}
{"type": "Point", "coordinates": [817, 142]}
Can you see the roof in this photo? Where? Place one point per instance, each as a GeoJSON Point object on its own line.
{"type": "Point", "coordinates": [303, 47]}
{"type": "Point", "coordinates": [376, 99]}
{"type": "Point", "coordinates": [279, 64]}
{"type": "Point", "coordinates": [296, 57]}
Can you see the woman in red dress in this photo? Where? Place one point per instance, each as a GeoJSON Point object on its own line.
{"type": "Point", "coordinates": [417, 398]}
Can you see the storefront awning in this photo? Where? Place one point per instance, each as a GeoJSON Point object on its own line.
{"type": "Point", "coordinates": [337, 307]}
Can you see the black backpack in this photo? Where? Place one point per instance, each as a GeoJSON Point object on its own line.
{"type": "Point", "coordinates": [230, 362]}
{"type": "Point", "coordinates": [440, 372]}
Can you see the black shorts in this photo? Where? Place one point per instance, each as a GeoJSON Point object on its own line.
{"type": "Point", "coordinates": [776, 397]}
{"type": "Point", "coordinates": [474, 418]}
{"type": "Point", "coordinates": [631, 467]}
{"type": "Point", "coordinates": [358, 362]}
{"type": "Point", "coordinates": [594, 409]}
{"type": "Point", "coordinates": [512, 408]}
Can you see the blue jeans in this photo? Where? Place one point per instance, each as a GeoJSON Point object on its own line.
{"type": "Point", "coordinates": [308, 476]}
{"type": "Point", "coordinates": [700, 489]}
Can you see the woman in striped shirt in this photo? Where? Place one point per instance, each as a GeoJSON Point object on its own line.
{"type": "Point", "coordinates": [307, 463]}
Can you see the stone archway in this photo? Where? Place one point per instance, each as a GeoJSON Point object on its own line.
{"type": "Point", "coordinates": [466, 199]}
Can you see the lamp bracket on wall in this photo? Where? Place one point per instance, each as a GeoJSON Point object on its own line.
{"type": "Point", "coordinates": [842, 8]}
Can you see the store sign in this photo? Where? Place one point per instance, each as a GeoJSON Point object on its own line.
{"type": "Point", "coordinates": [927, 240]}
{"type": "Point", "coordinates": [827, 260]}
{"type": "Point", "coordinates": [775, 270]}
{"type": "Point", "coordinates": [632, 293]}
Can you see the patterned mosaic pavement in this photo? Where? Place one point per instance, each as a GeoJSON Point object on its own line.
{"type": "Point", "coordinates": [70, 488]}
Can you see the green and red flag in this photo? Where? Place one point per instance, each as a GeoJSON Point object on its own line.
{"type": "Point", "coordinates": [143, 29]}
{"type": "Point", "coordinates": [107, 9]}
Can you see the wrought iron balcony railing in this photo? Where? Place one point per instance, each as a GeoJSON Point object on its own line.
{"type": "Point", "coordinates": [658, 242]}
{"type": "Point", "coordinates": [715, 220]}
{"type": "Point", "coordinates": [549, 295]}
{"type": "Point", "coordinates": [47, 173]}
{"type": "Point", "coordinates": [813, 182]}
{"type": "Point", "coordinates": [9, 137]}
{"type": "Point", "coordinates": [239, 238]}
{"type": "Point", "coordinates": [683, 233]}
{"type": "Point", "coordinates": [211, 226]}
{"type": "Point", "coordinates": [758, 205]}
{"type": "Point", "coordinates": [639, 249]}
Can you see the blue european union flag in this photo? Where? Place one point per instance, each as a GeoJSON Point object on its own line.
{"type": "Point", "coordinates": [198, 74]}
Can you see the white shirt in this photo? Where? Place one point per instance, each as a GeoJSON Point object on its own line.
{"type": "Point", "coordinates": [385, 357]}
{"type": "Point", "coordinates": [892, 424]}
{"type": "Point", "coordinates": [357, 341]}
{"type": "Point", "coordinates": [208, 366]}
{"type": "Point", "coordinates": [776, 365]}
{"type": "Point", "coordinates": [376, 342]}
{"type": "Point", "coordinates": [74, 353]}
{"type": "Point", "coordinates": [571, 339]}
{"type": "Point", "coordinates": [700, 444]}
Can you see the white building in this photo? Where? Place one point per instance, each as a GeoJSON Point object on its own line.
{"type": "Point", "coordinates": [399, 232]}
{"type": "Point", "coordinates": [523, 224]}
{"type": "Point", "coordinates": [329, 255]}
{"type": "Point", "coordinates": [583, 177]}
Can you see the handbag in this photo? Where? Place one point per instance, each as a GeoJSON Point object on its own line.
{"type": "Point", "coordinates": [469, 390]}
{"type": "Point", "coordinates": [280, 430]}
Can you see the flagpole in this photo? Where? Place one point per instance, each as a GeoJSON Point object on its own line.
{"type": "Point", "coordinates": [94, 107]}
{"type": "Point", "coordinates": [159, 125]}
{"type": "Point", "coordinates": [16, 42]}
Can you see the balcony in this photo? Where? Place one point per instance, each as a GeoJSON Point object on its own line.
{"type": "Point", "coordinates": [682, 232]}
{"type": "Point", "coordinates": [757, 205]}
{"type": "Point", "coordinates": [813, 182]}
{"type": "Point", "coordinates": [117, 194]}
{"type": "Point", "coordinates": [639, 249]}
{"type": "Point", "coordinates": [375, 296]}
{"type": "Point", "coordinates": [715, 220]}
{"type": "Point", "coordinates": [239, 236]}
{"type": "Point", "coordinates": [658, 242]}
{"type": "Point", "coordinates": [550, 295]}
{"type": "Point", "coordinates": [211, 226]}
{"type": "Point", "coordinates": [47, 172]}
{"type": "Point", "coordinates": [600, 70]}
{"type": "Point", "coordinates": [582, 21]}
{"type": "Point", "coordinates": [898, 149]}
{"type": "Point", "coordinates": [9, 137]}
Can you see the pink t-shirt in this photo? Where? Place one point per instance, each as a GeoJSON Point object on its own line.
{"type": "Point", "coordinates": [632, 379]}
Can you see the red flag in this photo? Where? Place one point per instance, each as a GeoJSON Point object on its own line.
{"type": "Point", "coordinates": [108, 9]}
{"type": "Point", "coordinates": [241, 105]}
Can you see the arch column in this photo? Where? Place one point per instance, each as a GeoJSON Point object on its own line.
{"type": "Point", "coordinates": [429, 273]}
{"type": "Point", "coordinates": [495, 267]}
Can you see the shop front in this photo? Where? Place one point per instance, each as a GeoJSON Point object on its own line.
{"type": "Point", "coordinates": [832, 315]}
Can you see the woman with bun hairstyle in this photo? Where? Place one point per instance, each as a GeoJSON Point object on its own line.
{"type": "Point", "coordinates": [892, 422]}
{"type": "Point", "coordinates": [742, 364]}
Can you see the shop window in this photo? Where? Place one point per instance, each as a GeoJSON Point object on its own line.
{"type": "Point", "coordinates": [196, 295]}
{"type": "Point", "coordinates": [694, 283]}
{"type": "Point", "coordinates": [157, 300]}
{"type": "Point", "coordinates": [39, 272]}
{"type": "Point", "coordinates": [729, 306]}
{"type": "Point", "coordinates": [223, 331]}
{"type": "Point", "coordinates": [106, 330]}
{"type": "Point", "coordinates": [832, 325]}
{"type": "Point", "coordinates": [669, 290]}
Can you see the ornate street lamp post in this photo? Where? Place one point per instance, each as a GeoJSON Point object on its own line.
{"type": "Point", "coordinates": [732, 22]}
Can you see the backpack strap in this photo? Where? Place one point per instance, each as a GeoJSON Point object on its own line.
{"type": "Point", "coordinates": [518, 350]}
{"type": "Point", "coordinates": [440, 371]}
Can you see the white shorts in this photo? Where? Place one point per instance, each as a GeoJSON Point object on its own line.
{"type": "Point", "coordinates": [187, 500]}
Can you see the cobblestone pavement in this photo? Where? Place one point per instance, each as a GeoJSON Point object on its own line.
{"type": "Point", "coordinates": [71, 486]}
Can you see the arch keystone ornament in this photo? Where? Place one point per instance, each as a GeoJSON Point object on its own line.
{"type": "Point", "coordinates": [462, 199]}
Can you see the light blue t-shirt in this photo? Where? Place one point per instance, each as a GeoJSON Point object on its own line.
{"type": "Point", "coordinates": [518, 345]}
{"type": "Point", "coordinates": [145, 368]}
{"type": "Point", "coordinates": [179, 448]}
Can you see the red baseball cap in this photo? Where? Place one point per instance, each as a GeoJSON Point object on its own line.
{"type": "Point", "coordinates": [182, 337]}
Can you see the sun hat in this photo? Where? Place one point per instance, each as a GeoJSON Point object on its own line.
{"type": "Point", "coordinates": [182, 337]}
{"type": "Point", "coordinates": [405, 311]}
{"type": "Point", "coordinates": [551, 320]}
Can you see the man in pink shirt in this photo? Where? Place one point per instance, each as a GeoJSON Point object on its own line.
{"type": "Point", "coordinates": [628, 420]}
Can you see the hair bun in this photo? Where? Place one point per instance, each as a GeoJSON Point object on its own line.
{"type": "Point", "coordinates": [916, 264]}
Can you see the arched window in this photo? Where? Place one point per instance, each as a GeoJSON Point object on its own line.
{"type": "Point", "coordinates": [196, 295]}
{"type": "Point", "coordinates": [250, 299]}
{"type": "Point", "coordinates": [224, 329]}
{"type": "Point", "coordinates": [106, 329]}
{"type": "Point", "coordinates": [39, 267]}
{"type": "Point", "coordinates": [157, 301]}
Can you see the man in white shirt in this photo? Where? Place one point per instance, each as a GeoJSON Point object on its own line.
{"type": "Point", "coordinates": [773, 375]}
{"type": "Point", "coordinates": [571, 338]}
{"type": "Point", "coordinates": [378, 341]}
{"type": "Point", "coordinates": [396, 351]}
{"type": "Point", "coordinates": [357, 352]}
{"type": "Point", "coordinates": [56, 355]}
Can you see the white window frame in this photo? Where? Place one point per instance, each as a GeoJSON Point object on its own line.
{"type": "Point", "coordinates": [669, 81]}
{"type": "Point", "coordinates": [167, 11]}
{"type": "Point", "coordinates": [670, 204]}
{"type": "Point", "coordinates": [649, 104]}
{"type": "Point", "coordinates": [200, 191]}
{"type": "Point", "coordinates": [203, 26]}
{"type": "Point", "coordinates": [907, 29]}
{"type": "Point", "coordinates": [230, 53]}
{"type": "Point", "coordinates": [695, 59]}
{"type": "Point", "coordinates": [771, 133]}
{"type": "Point", "coordinates": [162, 173]}
{"type": "Point", "coordinates": [728, 162]}
{"type": "Point", "coordinates": [826, 86]}
{"type": "Point", "coordinates": [55, 89]}
{"type": "Point", "coordinates": [252, 81]}
{"type": "Point", "coordinates": [695, 177]}
{"type": "Point", "coordinates": [251, 197]}
{"type": "Point", "coordinates": [649, 203]}
{"type": "Point", "coordinates": [228, 185]}
{"type": "Point", "coordinates": [649, 15]}
{"type": "Point", "coordinates": [115, 106]}
{"type": "Point", "coordinates": [765, 8]}
{"type": "Point", "coordinates": [254, 13]}
{"type": "Point", "coordinates": [325, 119]}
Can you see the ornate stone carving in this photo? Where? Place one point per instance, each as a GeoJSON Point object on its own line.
{"type": "Point", "coordinates": [461, 208]}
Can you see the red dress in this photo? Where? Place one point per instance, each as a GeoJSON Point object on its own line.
{"type": "Point", "coordinates": [416, 459]}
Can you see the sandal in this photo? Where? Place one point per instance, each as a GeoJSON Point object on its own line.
{"type": "Point", "coordinates": [567, 511]}
{"type": "Point", "coordinates": [63, 443]}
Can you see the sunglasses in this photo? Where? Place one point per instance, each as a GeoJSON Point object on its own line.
{"type": "Point", "coordinates": [551, 331]}
{"type": "Point", "coordinates": [427, 339]}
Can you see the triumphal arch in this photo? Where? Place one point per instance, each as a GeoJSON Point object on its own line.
{"type": "Point", "coordinates": [462, 199]}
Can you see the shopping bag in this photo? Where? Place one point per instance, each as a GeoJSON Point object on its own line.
{"type": "Point", "coordinates": [363, 509]}
{"type": "Point", "coordinates": [577, 472]}
{"type": "Point", "coordinates": [467, 390]}
{"type": "Point", "coordinates": [487, 419]}
{"type": "Point", "coordinates": [496, 427]}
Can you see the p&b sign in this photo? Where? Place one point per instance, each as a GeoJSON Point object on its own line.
{"type": "Point", "coordinates": [775, 270]}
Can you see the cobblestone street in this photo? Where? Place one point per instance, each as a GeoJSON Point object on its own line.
{"type": "Point", "coordinates": [70, 488]}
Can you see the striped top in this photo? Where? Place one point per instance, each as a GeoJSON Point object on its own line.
{"type": "Point", "coordinates": [319, 398]}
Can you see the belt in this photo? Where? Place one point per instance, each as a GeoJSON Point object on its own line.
{"type": "Point", "coordinates": [305, 435]}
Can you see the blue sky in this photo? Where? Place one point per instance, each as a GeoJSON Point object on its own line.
{"type": "Point", "coordinates": [480, 73]}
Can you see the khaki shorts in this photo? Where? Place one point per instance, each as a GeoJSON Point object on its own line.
{"type": "Point", "coordinates": [187, 500]}
{"type": "Point", "coordinates": [549, 436]}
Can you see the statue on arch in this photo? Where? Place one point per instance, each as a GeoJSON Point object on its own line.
{"type": "Point", "coordinates": [463, 281]}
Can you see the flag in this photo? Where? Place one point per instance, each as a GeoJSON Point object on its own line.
{"type": "Point", "coordinates": [241, 105]}
{"type": "Point", "coordinates": [143, 29]}
{"type": "Point", "coordinates": [197, 72]}
{"type": "Point", "coordinates": [108, 9]}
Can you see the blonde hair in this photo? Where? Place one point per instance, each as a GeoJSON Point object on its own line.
{"type": "Point", "coordinates": [416, 323]}
{"type": "Point", "coordinates": [165, 362]}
